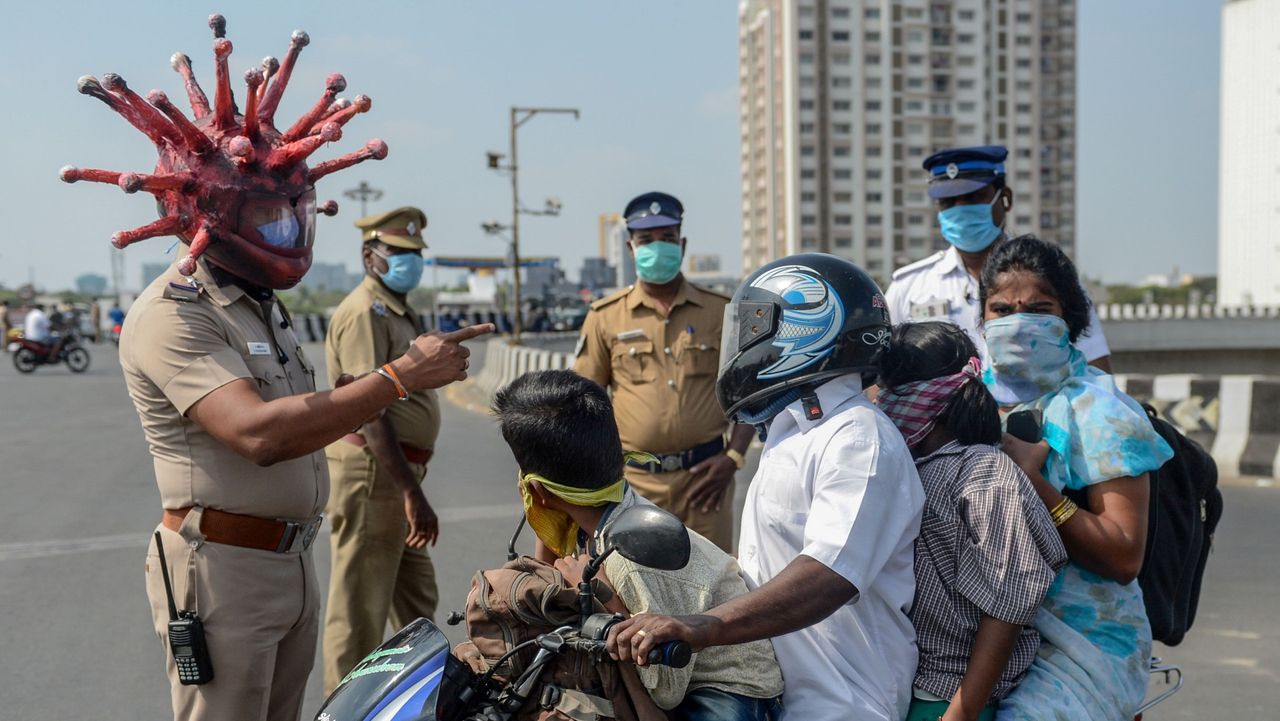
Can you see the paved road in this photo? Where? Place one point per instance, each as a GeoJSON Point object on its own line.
{"type": "Point", "coordinates": [79, 503]}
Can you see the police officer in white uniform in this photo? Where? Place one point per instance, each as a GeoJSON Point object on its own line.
{"type": "Point", "coordinates": [969, 191]}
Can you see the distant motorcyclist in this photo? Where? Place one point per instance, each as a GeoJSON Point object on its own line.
{"type": "Point", "coordinates": [560, 427]}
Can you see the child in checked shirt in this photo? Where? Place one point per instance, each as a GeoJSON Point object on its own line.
{"type": "Point", "coordinates": [988, 550]}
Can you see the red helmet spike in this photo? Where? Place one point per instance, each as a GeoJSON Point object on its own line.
{"type": "Point", "coordinates": [72, 174]}
{"type": "Point", "coordinates": [361, 104]}
{"type": "Point", "coordinates": [271, 99]}
{"type": "Point", "coordinates": [139, 114]}
{"type": "Point", "coordinates": [269, 67]}
{"type": "Point", "coordinates": [195, 140]}
{"type": "Point", "coordinates": [253, 79]}
{"type": "Point", "coordinates": [375, 149]}
{"type": "Point", "coordinates": [218, 25]}
{"type": "Point", "coordinates": [157, 184]}
{"type": "Point", "coordinates": [199, 103]}
{"type": "Point", "coordinates": [224, 113]}
{"type": "Point", "coordinates": [297, 151]}
{"type": "Point", "coordinates": [328, 207]}
{"type": "Point", "coordinates": [233, 188]}
{"type": "Point", "coordinates": [333, 85]}
{"type": "Point", "coordinates": [167, 225]}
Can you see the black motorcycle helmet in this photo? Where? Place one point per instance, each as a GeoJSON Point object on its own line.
{"type": "Point", "coordinates": [793, 324]}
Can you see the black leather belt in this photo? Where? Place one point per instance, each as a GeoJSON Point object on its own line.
{"type": "Point", "coordinates": [668, 462]}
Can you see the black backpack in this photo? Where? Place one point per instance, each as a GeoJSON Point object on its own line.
{"type": "Point", "coordinates": [1185, 506]}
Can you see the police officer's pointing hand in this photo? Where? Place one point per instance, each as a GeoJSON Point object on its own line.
{"type": "Point", "coordinates": [437, 359]}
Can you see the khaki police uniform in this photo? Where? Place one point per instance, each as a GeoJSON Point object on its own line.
{"type": "Point", "coordinates": [375, 577]}
{"type": "Point", "coordinates": [939, 287]}
{"type": "Point", "coordinates": [260, 607]}
{"type": "Point", "coordinates": [661, 369]}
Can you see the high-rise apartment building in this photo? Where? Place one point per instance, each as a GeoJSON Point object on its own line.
{"type": "Point", "coordinates": [1248, 181]}
{"type": "Point", "coordinates": [842, 100]}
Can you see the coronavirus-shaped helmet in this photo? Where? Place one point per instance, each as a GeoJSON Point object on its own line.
{"type": "Point", "coordinates": [234, 188]}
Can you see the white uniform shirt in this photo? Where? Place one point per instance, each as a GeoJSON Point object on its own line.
{"type": "Point", "coordinates": [939, 288]}
{"type": "Point", "coordinates": [36, 326]}
{"type": "Point", "coordinates": [844, 491]}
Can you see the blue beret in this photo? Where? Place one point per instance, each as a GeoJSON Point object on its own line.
{"type": "Point", "coordinates": [960, 171]}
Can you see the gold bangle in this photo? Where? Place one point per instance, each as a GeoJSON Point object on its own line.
{"type": "Point", "coordinates": [738, 459]}
{"type": "Point", "coordinates": [1066, 513]}
{"type": "Point", "coordinates": [1053, 512]}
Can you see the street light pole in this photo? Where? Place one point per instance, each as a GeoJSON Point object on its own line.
{"type": "Point", "coordinates": [364, 193]}
{"type": "Point", "coordinates": [520, 116]}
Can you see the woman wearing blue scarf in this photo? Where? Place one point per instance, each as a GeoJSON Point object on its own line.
{"type": "Point", "coordinates": [1096, 640]}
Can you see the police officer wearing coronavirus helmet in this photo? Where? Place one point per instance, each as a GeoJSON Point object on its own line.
{"type": "Point", "coordinates": [973, 202]}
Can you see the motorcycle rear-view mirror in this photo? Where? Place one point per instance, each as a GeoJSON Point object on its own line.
{"type": "Point", "coordinates": [649, 536]}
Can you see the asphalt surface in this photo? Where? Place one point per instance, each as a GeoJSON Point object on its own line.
{"type": "Point", "coordinates": [79, 504]}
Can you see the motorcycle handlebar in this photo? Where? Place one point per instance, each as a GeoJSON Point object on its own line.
{"type": "Point", "coordinates": [675, 654]}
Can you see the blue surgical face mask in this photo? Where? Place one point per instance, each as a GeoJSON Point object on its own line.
{"type": "Point", "coordinates": [280, 233]}
{"type": "Point", "coordinates": [970, 228]}
{"type": "Point", "coordinates": [658, 262]}
{"type": "Point", "coordinates": [404, 270]}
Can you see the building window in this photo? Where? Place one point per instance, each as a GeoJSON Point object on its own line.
{"type": "Point", "coordinates": [966, 106]}
{"type": "Point", "coordinates": [965, 61]}
{"type": "Point", "coordinates": [915, 151]}
{"type": "Point", "coordinates": [841, 58]}
{"type": "Point", "coordinates": [806, 81]}
{"type": "Point", "coordinates": [915, 219]}
{"type": "Point", "coordinates": [873, 197]}
{"type": "Point", "coordinates": [806, 34]}
{"type": "Point", "coordinates": [841, 105]}
{"type": "Point", "coordinates": [915, 36]}
{"type": "Point", "coordinates": [808, 220]}
{"type": "Point", "coordinates": [840, 36]}
{"type": "Point", "coordinates": [808, 174]}
{"type": "Point", "coordinates": [913, 106]}
{"type": "Point", "coordinates": [915, 13]}
{"type": "Point", "coordinates": [806, 104]}
{"type": "Point", "coordinates": [871, 37]}
{"type": "Point", "coordinates": [873, 106]}
{"type": "Point", "coordinates": [843, 241]}
{"type": "Point", "coordinates": [1024, 152]}
{"type": "Point", "coordinates": [841, 128]}
{"type": "Point", "coordinates": [873, 173]}
{"type": "Point", "coordinates": [1023, 62]}
{"type": "Point", "coordinates": [964, 38]}
{"type": "Point", "coordinates": [873, 128]}
{"type": "Point", "coordinates": [966, 129]}
{"type": "Point", "coordinates": [842, 197]}
{"type": "Point", "coordinates": [806, 58]}
{"type": "Point", "coordinates": [1023, 130]}
{"type": "Point", "coordinates": [806, 127]}
{"type": "Point", "coordinates": [915, 60]}
{"type": "Point", "coordinates": [839, 12]}
{"type": "Point", "coordinates": [842, 174]}
{"type": "Point", "coordinates": [873, 220]}
{"type": "Point", "coordinates": [840, 151]}
{"type": "Point", "coordinates": [872, 83]}
{"type": "Point", "coordinates": [915, 128]}
{"type": "Point", "coordinates": [873, 151]}
{"type": "Point", "coordinates": [806, 151]}
{"type": "Point", "coordinates": [1022, 17]}
{"type": "Point", "coordinates": [808, 243]}
{"type": "Point", "coordinates": [965, 83]}
{"type": "Point", "coordinates": [965, 15]}
{"type": "Point", "coordinates": [872, 14]}
{"type": "Point", "coordinates": [1024, 220]}
{"type": "Point", "coordinates": [1023, 86]}
{"type": "Point", "coordinates": [872, 59]}
{"type": "Point", "coordinates": [840, 81]}
{"type": "Point", "coordinates": [842, 220]}
{"type": "Point", "coordinates": [1022, 40]}
{"type": "Point", "coordinates": [915, 83]}
{"type": "Point", "coordinates": [808, 197]}
{"type": "Point", "coordinates": [1023, 107]}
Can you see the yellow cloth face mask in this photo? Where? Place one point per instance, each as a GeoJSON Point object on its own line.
{"type": "Point", "coordinates": [556, 528]}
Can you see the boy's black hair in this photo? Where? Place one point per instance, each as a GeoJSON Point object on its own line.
{"type": "Point", "coordinates": [560, 425]}
{"type": "Point", "coordinates": [1029, 253]}
{"type": "Point", "coordinates": [920, 351]}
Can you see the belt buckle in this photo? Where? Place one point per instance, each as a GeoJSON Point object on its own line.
{"type": "Point", "coordinates": [671, 462]}
{"type": "Point", "coordinates": [298, 536]}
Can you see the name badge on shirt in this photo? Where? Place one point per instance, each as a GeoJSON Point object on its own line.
{"type": "Point", "coordinates": [632, 334]}
{"type": "Point", "coordinates": [932, 308]}
{"type": "Point", "coordinates": [259, 348]}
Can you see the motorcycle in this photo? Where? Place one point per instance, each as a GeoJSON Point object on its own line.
{"type": "Point", "coordinates": [28, 354]}
{"type": "Point", "coordinates": [414, 676]}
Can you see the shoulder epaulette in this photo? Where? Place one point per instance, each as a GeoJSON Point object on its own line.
{"type": "Point", "coordinates": [614, 297]}
{"type": "Point", "coordinates": [918, 265]}
{"type": "Point", "coordinates": [183, 292]}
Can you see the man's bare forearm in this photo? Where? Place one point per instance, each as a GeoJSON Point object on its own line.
{"type": "Point", "coordinates": [804, 593]}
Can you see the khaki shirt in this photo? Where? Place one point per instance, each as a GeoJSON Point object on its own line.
{"type": "Point", "coordinates": [183, 342]}
{"type": "Point", "coordinates": [660, 368]}
{"type": "Point", "coordinates": [369, 329]}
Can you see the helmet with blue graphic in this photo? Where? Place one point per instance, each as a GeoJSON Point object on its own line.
{"type": "Point", "coordinates": [793, 324]}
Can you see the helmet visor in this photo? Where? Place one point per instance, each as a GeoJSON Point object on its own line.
{"type": "Point", "coordinates": [746, 322]}
{"type": "Point", "coordinates": [279, 222]}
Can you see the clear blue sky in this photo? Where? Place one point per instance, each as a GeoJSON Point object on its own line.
{"type": "Point", "coordinates": [657, 86]}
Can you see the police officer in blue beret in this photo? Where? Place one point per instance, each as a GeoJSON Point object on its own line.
{"type": "Point", "coordinates": [968, 188]}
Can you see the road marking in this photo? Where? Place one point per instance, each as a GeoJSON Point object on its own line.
{"type": "Point", "coordinates": [1233, 633]}
{"type": "Point", "coordinates": [72, 546]}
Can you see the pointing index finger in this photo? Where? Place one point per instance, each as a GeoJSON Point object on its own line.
{"type": "Point", "coordinates": [462, 334]}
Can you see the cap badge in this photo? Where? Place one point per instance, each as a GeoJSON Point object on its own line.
{"type": "Point", "coordinates": [655, 207]}
{"type": "Point", "coordinates": [952, 170]}
{"type": "Point", "coordinates": [412, 227]}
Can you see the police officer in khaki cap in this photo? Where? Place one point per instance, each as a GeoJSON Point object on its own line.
{"type": "Point", "coordinates": [656, 345]}
{"type": "Point", "coordinates": [382, 521]}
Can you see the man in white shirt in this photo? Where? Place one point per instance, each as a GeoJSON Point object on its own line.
{"type": "Point", "coordinates": [36, 325]}
{"type": "Point", "coordinates": [968, 187]}
{"type": "Point", "coordinates": [834, 509]}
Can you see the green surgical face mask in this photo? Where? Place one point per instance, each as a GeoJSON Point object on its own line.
{"type": "Point", "coordinates": [659, 261]}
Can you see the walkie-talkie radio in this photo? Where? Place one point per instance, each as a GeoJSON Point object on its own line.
{"type": "Point", "coordinates": [186, 635]}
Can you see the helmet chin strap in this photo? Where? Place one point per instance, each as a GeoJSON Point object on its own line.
{"type": "Point", "coordinates": [760, 416]}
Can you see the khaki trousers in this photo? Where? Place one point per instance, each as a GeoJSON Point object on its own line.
{"type": "Point", "coordinates": [261, 615]}
{"type": "Point", "coordinates": [375, 577]}
{"type": "Point", "coordinates": [671, 491]}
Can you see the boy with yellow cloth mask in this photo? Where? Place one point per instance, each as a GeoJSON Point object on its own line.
{"type": "Point", "coordinates": [561, 429]}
